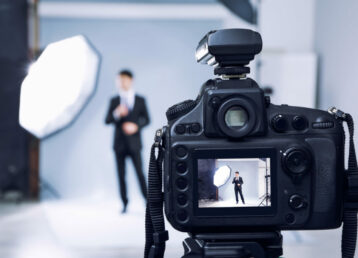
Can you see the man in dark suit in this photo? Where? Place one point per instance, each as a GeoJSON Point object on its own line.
{"type": "Point", "coordinates": [238, 182]}
{"type": "Point", "coordinates": [128, 112]}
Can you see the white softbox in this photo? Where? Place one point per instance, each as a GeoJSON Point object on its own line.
{"type": "Point", "coordinates": [222, 175]}
{"type": "Point", "coordinates": [58, 86]}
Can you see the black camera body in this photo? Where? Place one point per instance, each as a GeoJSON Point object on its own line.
{"type": "Point", "coordinates": [291, 159]}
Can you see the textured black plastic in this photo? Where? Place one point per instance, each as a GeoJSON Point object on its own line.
{"type": "Point", "coordinates": [180, 109]}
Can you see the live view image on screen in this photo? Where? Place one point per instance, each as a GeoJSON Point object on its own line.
{"type": "Point", "coordinates": [234, 182]}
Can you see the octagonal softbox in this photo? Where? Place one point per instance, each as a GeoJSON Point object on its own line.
{"type": "Point", "coordinates": [58, 86]}
{"type": "Point", "coordinates": [222, 175]}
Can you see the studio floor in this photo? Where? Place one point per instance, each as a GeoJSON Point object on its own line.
{"type": "Point", "coordinates": [80, 229]}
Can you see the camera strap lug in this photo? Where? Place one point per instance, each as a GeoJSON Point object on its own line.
{"type": "Point", "coordinates": [349, 231]}
{"type": "Point", "coordinates": [339, 114]}
{"type": "Point", "coordinates": [158, 137]}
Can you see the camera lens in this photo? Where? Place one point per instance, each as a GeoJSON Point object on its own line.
{"type": "Point", "coordinates": [236, 117]}
{"type": "Point", "coordinates": [297, 161]}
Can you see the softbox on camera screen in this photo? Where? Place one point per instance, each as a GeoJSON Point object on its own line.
{"type": "Point", "coordinates": [58, 86]}
{"type": "Point", "coordinates": [222, 175]}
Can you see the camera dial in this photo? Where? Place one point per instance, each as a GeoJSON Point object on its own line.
{"type": "Point", "coordinates": [180, 109]}
{"type": "Point", "coordinates": [296, 161]}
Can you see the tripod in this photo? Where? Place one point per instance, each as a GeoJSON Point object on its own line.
{"type": "Point", "coordinates": [234, 245]}
{"type": "Point", "coordinates": [266, 197]}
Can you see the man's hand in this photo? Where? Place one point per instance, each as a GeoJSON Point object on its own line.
{"type": "Point", "coordinates": [129, 128]}
{"type": "Point", "coordinates": [121, 111]}
{"type": "Point", "coordinates": [238, 184]}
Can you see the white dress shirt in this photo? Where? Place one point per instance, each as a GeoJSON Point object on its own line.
{"type": "Point", "coordinates": [127, 98]}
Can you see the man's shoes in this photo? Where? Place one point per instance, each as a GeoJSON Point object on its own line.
{"type": "Point", "coordinates": [124, 210]}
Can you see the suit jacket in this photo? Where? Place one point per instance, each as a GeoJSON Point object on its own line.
{"type": "Point", "coordinates": [238, 181]}
{"type": "Point", "coordinates": [138, 115]}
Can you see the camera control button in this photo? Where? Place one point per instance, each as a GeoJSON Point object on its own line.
{"type": "Point", "coordinates": [299, 123]}
{"type": "Point", "coordinates": [296, 202]}
{"type": "Point", "coordinates": [215, 102]}
{"type": "Point", "coordinates": [181, 151]}
{"type": "Point", "coordinates": [279, 123]}
{"type": "Point", "coordinates": [182, 199]}
{"type": "Point", "coordinates": [322, 125]}
{"type": "Point", "coordinates": [267, 101]}
{"type": "Point", "coordinates": [195, 128]}
{"type": "Point", "coordinates": [297, 161]}
{"type": "Point", "coordinates": [180, 129]}
{"type": "Point", "coordinates": [182, 215]}
{"type": "Point", "coordinates": [290, 218]}
{"type": "Point", "coordinates": [181, 183]}
{"type": "Point", "coordinates": [181, 167]}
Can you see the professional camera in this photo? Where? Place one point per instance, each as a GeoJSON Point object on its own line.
{"type": "Point", "coordinates": [238, 169]}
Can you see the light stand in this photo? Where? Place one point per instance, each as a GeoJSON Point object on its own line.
{"type": "Point", "coordinates": [266, 197]}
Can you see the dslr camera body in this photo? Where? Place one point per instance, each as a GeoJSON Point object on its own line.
{"type": "Point", "coordinates": [290, 159]}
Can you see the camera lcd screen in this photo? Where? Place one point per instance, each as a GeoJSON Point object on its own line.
{"type": "Point", "coordinates": [234, 182]}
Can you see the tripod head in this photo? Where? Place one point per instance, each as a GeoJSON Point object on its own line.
{"type": "Point", "coordinates": [229, 50]}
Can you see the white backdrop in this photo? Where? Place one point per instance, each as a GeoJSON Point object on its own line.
{"type": "Point", "coordinates": [252, 172]}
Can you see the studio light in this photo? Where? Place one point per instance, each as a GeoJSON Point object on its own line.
{"type": "Point", "coordinates": [222, 175]}
{"type": "Point", "coordinates": [58, 86]}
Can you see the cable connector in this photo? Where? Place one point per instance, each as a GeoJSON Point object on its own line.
{"type": "Point", "coordinates": [338, 114]}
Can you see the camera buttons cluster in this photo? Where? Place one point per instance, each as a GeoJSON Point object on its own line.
{"type": "Point", "coordinates": [280, 123]}
{"type": "Point", "coordinates": [193, 128]}
{"type": "Point", "coordinates": [181, 183]}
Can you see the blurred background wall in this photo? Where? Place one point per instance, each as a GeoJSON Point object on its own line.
{"type": "Point", "coordinates": [336, 44]}
{"type": "Point", "coordinates": [159, 47]}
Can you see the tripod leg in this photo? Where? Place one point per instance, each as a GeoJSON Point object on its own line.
{"type": "Point", "coordinates": [192, 248]}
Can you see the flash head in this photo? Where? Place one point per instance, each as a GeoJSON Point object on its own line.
{"type": "Point", "coordinates": [228, 47]}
